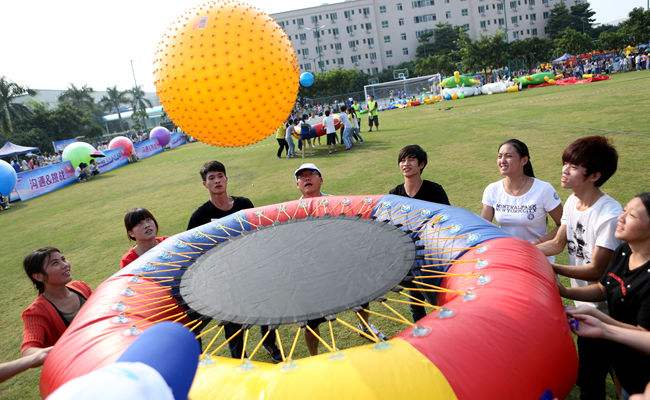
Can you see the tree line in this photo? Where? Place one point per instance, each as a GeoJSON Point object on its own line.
{"type": "Point", "coordinates": [32, 123]}
{"type": "Point", "coordinates": [448, 48]}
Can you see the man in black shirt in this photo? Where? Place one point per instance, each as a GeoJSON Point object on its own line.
{"type": "Point", "coordinates": [215, 180]}
{"type": "Point", "coordinates": [411, 161]}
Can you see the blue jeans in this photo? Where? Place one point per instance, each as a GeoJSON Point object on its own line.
{"type": "Point", "coordinates": [347, 138]}
{"type": "Point", "coordinates": [291, 151]}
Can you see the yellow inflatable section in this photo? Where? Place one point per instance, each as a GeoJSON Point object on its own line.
{"type": "Point", "coordinates": [388, 370]}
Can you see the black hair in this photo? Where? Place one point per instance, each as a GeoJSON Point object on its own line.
{"type": "Point", "coordinates": [327, 113]}
{"type": "Point", "coordinates": [343, 108]}
{"type": "Point", "coordinates": [289, 122]}
{"type": "Point", "coordinates": [211, 166]}
{"type": "Point", "coordinates": [415, 151]}
{"type": "Point", "coordinates": [595, 154]}
{"type": "Point", "coordinates": [522, 150]}
{"type": "Point", "coordinates": [134, 217]}
{"type": "Point", "coordinates": [34, 263]}
{"type": "Point", "coordinates": [645, 199]}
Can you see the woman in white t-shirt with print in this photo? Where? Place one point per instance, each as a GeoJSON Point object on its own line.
{"type": "Point", "coordinates": [520, 203]}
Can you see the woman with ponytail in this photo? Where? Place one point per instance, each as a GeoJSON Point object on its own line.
{"type": "Point", "coordinates": [520, 203]}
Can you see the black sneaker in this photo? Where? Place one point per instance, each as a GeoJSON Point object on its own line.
{"type": "Point", "coordinates": [274, 353]}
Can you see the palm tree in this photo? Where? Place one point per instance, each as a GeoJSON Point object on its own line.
{"type": "Point", "coordinates": [79, 97]}
{"type": "Point", "coordinates": [139, 103]}
{"type": "Point", "coordinates": [10, 111]}
{"type": "Point", "coordinates": [113, 100]}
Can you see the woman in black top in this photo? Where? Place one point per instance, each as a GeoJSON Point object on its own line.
{"type": "Point", "coordinates": [626, 287]}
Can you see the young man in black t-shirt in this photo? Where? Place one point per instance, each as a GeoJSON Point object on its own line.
{"type": "Point", "coordinates": [411, 161]}
{"type": "Point", "coordinates": [215, 180]}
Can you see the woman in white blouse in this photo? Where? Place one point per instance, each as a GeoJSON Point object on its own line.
{"type": "Point", "coordinates": [520, 203]}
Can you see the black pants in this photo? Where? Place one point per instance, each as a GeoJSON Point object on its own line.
{"type": "Point", "coordinates": [373, 119]}
{"type": "Point", "coordinates": [282, 143]}
{"type": "Point", "coordinates": [236, 345]}
{"type": "Point", "coordinates": [593, 366]}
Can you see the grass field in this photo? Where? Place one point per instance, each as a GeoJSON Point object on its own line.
{"type": "Point", "coordinates": [461, 138]}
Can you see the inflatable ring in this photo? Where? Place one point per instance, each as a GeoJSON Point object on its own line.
{"type": "Point", "coordinates": [498, 330]}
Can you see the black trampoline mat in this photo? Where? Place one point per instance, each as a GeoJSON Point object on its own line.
{"type": "Point", "coordinates": [297, 271]}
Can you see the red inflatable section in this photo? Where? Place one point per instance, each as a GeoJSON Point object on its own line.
{"type": "Point", "coordinates": [507, 343]}
{"type": "Point", "coordinates": [94, 339]}
{"type": "Point", "coordinates": [351, 206]}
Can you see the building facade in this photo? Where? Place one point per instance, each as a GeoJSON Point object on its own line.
{"type": "Point", "coordinates": [371, 35]}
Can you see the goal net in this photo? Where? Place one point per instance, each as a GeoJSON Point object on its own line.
{"type": "Point", "coordinates": [403, 89]}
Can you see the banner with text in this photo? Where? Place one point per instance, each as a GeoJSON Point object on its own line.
{"type": "Point", "coordinates": [114, 159]}
{"type": "Point", "coordinates": [37, 182]}
{"type": "Point", "coordinates": [178, 139]}
{"type": "Point", "coordinates": [147, 148]}
{"type": "Point", "coordinates": [59, 145]}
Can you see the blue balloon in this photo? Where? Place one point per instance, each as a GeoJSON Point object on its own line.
{"type": "Point", "coordinates": [306, 79]}
{"type": "Point", "coordinates": [8, 178]}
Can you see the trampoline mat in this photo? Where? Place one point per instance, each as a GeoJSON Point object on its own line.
{"type": "Point", "coordinates": [298, 270]}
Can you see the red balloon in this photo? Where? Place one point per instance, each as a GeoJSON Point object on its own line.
{"type": "Point", "coordinates": [122, 142]}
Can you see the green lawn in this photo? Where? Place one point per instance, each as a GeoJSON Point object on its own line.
{"type": "Point", "coordinates": [461, 137]}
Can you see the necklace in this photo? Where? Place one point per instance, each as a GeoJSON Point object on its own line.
{"type": "Point", "coordinates": [517, 191]}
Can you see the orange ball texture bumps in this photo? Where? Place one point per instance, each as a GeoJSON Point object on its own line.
{"type": "Point", "coordinates": [226, 74]}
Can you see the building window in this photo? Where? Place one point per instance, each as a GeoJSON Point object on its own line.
{"type": "Point", "coordinates": [389, 53]}
{"type": "Point", "coordinates": [405, 51]}
{"type": "Point", "coordinates": [424, 18]}
{"type": "Point", "coordinates": [366, 11]}
{"type": "Point", "coordinates": [422, 3]}
{"type": "Point", "coordinates": [308, 66]}
{"type": "Point", "coordinates": [347, 14]}
{"type": "Point", "coordinates": [447, 14]}
{"type": "Point", "coordinates": [335, 31]}
{"type": "Point", "coordinates": [382, 9]}
{"type": "Point", "coordinates": [464, 12]}
{"type": "Point", "coordinates": [399, 7]}
{"type": "Point", "coordinates": [371, 41]}
{"type": "Point", "coordinates": [534, 31]}
{"type": "Point", "coordinates": [465, 27]}
{"type": "Point", "coordinates": [400, 22]}
{"type": "Point", "coordinates": [483, 25]}
{"type": "Point", "coordinates": [422, 32]}
{"type": "Point", "coordinates": [501, 21]}
{"type": "Point", "coordinates": [384, 24]}
{"type": "Point", "coordinates": [403, 36]}
{"type": "Point", "coordinates": [513, 20]}
{"type": "Point", "coordinates": [546, 15]}
{"type": "Point", "coordinates": [533, 17]}
{"type": "Point", "coordinates": [387, 39]}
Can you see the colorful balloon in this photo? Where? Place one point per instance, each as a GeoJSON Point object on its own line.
{"type": "Point", "coordinates": [219, 60]}
{"type": "Point", "coordinates": [8, 178]}
{"type": "Point", "coordinates": [306, 79]}
{"type": "Point", "coordinates": [122, 142]}
{"type": "Point", "coordinates": [161, 135]}
{"type": "Point", "coordinates": [77, 153]}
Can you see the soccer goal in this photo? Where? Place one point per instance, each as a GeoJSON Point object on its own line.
{"type": "Point", "coordinates": [403, 88]}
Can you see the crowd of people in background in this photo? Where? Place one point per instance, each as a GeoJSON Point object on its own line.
{"type": "Point", "coordinates": [348, 117]}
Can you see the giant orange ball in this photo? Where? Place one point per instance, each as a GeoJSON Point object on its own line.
{"type": "Point", "coordinates": [226, 73]}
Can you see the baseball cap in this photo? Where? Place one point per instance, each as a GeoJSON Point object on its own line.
{"type": "Point", "coordinates": [309, 166]}
{"type": "Point", "coordinates": [159, 364]}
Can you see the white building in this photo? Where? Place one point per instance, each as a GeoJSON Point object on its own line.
{"type": "Point", "coordinates": [372, 35]}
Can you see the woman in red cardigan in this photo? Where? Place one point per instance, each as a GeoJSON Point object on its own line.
{"type": "Point", "coordinates": [142, 227]}
{"type": "Point", "coordinates": [58, 302]}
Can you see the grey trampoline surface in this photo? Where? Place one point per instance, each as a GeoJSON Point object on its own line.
{"type": "Point", "coordinates": [298, 270]}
